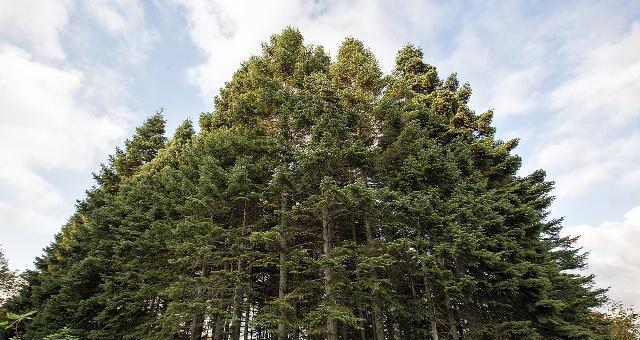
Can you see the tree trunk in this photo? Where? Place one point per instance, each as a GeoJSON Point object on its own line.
{"type": "Point", "coordinates": [332, 326]}
{"type": "Point", "coordinates": [296, 330]}
{"type": "Point", "coordinates": [282, 284]}
{"type": "Point", "coordinates": [236, 320]}
{"type": "Point", "coordinates": [218, 329]}
{"type": "Point", "coordinates": [378, 324]}
{"type": "Point", "coordinates": [196, 328]}
{"type": "Point", "coordinates": [246, 321]}
{"type": "Point", "coordinates": [434, 330]}
{"type": "Point", "coordinates": [391, 326]}
{"type": "Point", "coordinates": [363, 335]}
{"type": "Point", "coordinates": [236, 310]}
{"type": "Point", "coordinates": [198, 319]}
{"type": "Point", "coordinates": [363, 330]}
{"type": "Point", "coordinates": [429, 296]}
{"type": "Point", "coordinates": [453, 325]}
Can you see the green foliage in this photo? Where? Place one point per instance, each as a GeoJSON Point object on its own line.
{"type": "Point", "coordinates": [14, 323]}
{"type": "Point", "coordinates": [8, 279]}
{"type": "Point", "coordinates": [619, 322]}
{"type": "Point", "coordinates": [319, 200]}
{"type": "Point", "coordinates": [63, 334]}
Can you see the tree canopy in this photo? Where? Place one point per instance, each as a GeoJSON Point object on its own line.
{"type": "Point", "coordinates": [321, 199]}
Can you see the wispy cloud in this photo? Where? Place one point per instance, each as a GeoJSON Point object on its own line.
{"type": "Point", "coordinates": [125, 20]}
{"type": "Point", "coordinates": [604, 87]}
{"type": "Point", "coordinates": [594, 136]}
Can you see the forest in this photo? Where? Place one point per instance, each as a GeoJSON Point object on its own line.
{"type": "Point", "coordinates": [320, 199]}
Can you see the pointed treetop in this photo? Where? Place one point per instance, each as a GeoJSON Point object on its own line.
{"type": "Point", "coordinates": [356, 66]}
{"type": "Point", "coordinates": [464, 93]}
{"type": "Point", "coordinates": [143, 146]}
{"type": "Point", "coordinates": [422, 77]}
{"type": "Point", "coordinates": [285, 49]}
{"type": "Point", "coordinates": [184, 132]}
{"type": "Point", "coordinates": [452, 82]}
{"type": "Point", "coordinates": [409, 60]}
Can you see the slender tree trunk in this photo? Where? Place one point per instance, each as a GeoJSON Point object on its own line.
{"type": "Point", "coordinates": [218, 329]}
{"type": "Point", "coordinates": [236, 318]}
{"type": "Point", "coordinates": [332, 326]}
{"type": "Point", "coordinates": [296, 330]}
{"type": "Point", "coordinates": [453, 325]}
{"type": "Point", "coordinates": [368, 231]}
{"type": "Point", "coordinates": [198, 319]}
{"type": "Point", "coordinates": [429, 296]}
{"type": "Point", "coordinates": [236, 310]}
{"type": "Point", "coordinates": [363, 330]}
{"type": "Point", "coordinates": [196, 328]}
{"type": "Point", "coordinates": [378, 324]}
{"type": "Point", "coordinates": [363, 335]}
{"type": "Point", "coordinates": [434, 330]}
{"type": "Point", "coordinates": [391, 326]}
{"type": "Point", "coordinates": [282, 284]}
{"type": "Point", "coordinates": [247, 318]}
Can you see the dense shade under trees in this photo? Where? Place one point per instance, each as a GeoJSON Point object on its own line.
{"type": "Point", "coordinates": [320, 200]}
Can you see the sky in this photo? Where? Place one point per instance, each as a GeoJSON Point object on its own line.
{"type": "Point", "coordinates": [76, 77]}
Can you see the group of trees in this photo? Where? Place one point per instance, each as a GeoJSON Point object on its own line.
{"type": "Point", "coordinates": [320, 200]}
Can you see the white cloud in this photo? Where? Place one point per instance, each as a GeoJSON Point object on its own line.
{"type": "Point", "coordinates": [614, 255]}
{"type": "Point", "coordinates": [48, 121]}
{"type": "Point", "coordinates": [35, 25]}
{"type": "Point", "coordinates": [514, 55]}
{"type": "Point", "coordinates": [58, 115]}
{"type": "Point", "coordinates": [504, 67]}
{"type": "Point", "coordinates": [25, 231]}
{"type": "Point", "coordinates": [43, 119]}
{"type": "Point", "coordinates": [227, 33]}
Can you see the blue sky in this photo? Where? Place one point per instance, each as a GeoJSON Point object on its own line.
{"type": "Point", "coordinates": [77, 76]}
